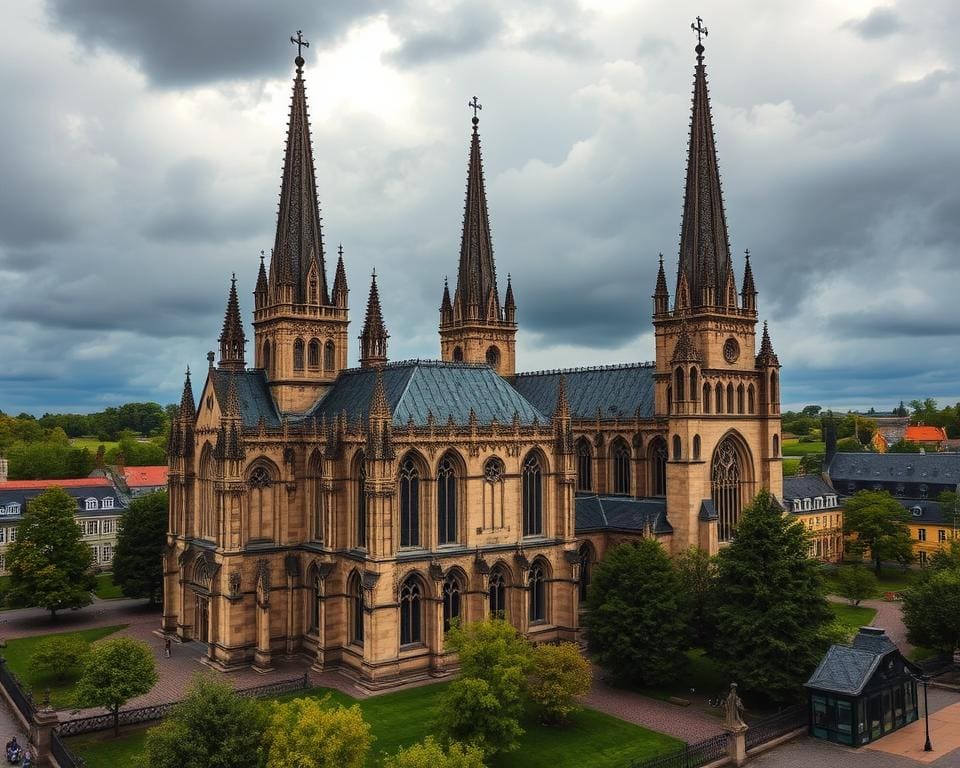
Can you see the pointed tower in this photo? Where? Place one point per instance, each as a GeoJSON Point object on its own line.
{"type": "Point", "coordinates": [301, 326]}
{"type": "Point", "coordinates": [373, 340]}
{"type": "Point", "coordinates": [711, 387]}
{"type": "Point", "coordinates": [474, 327]}
{"type": "Point", "coordinates": [232, 338]}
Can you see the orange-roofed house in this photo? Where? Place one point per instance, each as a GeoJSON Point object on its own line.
{"type": "Point", "coordinates": [933, 438]}
{"type": "Point", "coordinates": [144, 480]}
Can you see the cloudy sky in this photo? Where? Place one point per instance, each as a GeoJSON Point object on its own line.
{"type": "Point", "coordinates": [142, 150]}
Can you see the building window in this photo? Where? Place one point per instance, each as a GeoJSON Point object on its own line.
{"type": "Point", "coordinates": [3, 535]}
{"type": "Point", "coordinates": [457, 355]}
{"type": "Point", "coordinates": [676, 448]}
{"type": "Point", "coordinates": [409, 504]}
{"type": "Point", "coordinates": [316, 592]}
{"type": "Point", "coordinates": [452, 589]}
{"type": "Point", "coordinates": [726, 486]}
{"type": "Point", "coordinates": [751, 405]}
{"type": "Point", "coordinates": [776, 446]}
{"type": "Point", "coordinates": [328, 356]}
{"type": "Point", "coordinates": [108, 526]}
{"type": "Point", "coordinates": [774, 389]}
{"type": "Point", "coordinates": [707, 396]}
{"type": "Point", "coordinates": [658, 467]}
{"type": "Point", "coordinates": [361, 501]}
{"type": "Point", "coordinates": [92, 504]}
{"type": "Point", "coordinates": [584, 466]}
{"type": "Point", "coordinates": [585, 565]}
{"type": "Point", "coordinates": [719, 397]}
{"type": "Point", "coordinates": [95, 553]}
{"type": "Point", "coordinates": [538, 594]}
{"type": "Point", "coordinates": [493, 491]}
{"type": "Point", "coordinates": [923, 558]}
{"type": "Point", "coordinates": [694, 384]}
{"type": "Point", "coordinates": [921, 534]}
{"type": "Point", "coordinates": [729, 398]}
{"type": "Point", "coordinates": [696, 447]}
{"type": "Point", "coordinates": [107, 503]}
{"type": "Point", "coordinates": [13, 509]}
{"type": "Point", "coordinates": [532, 488]}
{"type": "Point", "coordinates": [497, 594]}
{"type": "Point", "coordinates": [13, 535]}
{"type": "Point", "coordinates": [446, 502]}
{"type": "Point", "coordinates": [493, 358]}
{"type": "Point", "coordinates": [740, 404]}
{"type": "Point", "coordinates": [313, 353]}
{"type": "Point", "coordinates": [3, 562]}
{"type": "Point", "coordinates": [941, 535]}
{"type": "Point", "coordinates": [621, 469]}
{"type": "Point", "coordinates": [678, 385]}
{"type": "Point", "coordinates": [106, 553]}
{"type": "Point", "coordinates": [356, 610]}
{"type": "Point", "coordinates": [266, 355]}
{"type": "Point", "coordinates": [923, 491]}
{"type": "Point", "coordinates": [298, 355]}
{"type": "Point", "coordinates": [411, 612]}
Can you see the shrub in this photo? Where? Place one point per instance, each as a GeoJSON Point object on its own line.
{"type": "Point", "coordinates": [560, 673]}
{"type": "Point", "coordinates": [59, 657]}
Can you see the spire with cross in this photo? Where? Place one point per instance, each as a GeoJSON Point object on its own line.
{"type": "Point", "coordinates": [475, 106]}
{"type": "Point", "coordinates": [301, 42]}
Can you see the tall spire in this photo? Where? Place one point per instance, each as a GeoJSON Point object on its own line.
{"type": "Point", "coordinates": [509, 304]}
{"type": "Point", "coordinates": [232, 339]}
{"type": "Point", "coordinates": [299, 243]}
{"type": "Point", "coordinates": [373, 339]}
{"type": "Point", "coordinates": [340, 291]}
{"type": "Point", "coordinates": [704, 247]}
{"type": "Point", "coordinates": [476, 289]}
{"type": "Point", "coordinates": [262, 289]}
{"type": "Point", "coordinates": [749, 288]}
{"type": "Point", "coordinates": [446, 307]}
{"type": "Point", "coordinates": [661, 296]}
{"type": "Point", "coordinates": [766, 357]}
{"type": "Point", "coordinates": [188, 410]}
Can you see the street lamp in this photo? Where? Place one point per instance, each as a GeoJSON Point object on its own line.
{"type": "Point", "coordinates": [927, 747]}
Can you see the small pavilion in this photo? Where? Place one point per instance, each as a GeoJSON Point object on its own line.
{"type": "Point", "coordinates": [862, 691]}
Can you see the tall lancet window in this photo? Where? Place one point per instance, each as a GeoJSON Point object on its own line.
{"type": "Point", "coordinates": [584, 466]}
{"type": "Point", "coordinates": [727, 486]}
{"type": "Point", "coordinates": [621, 469]}
{"type": "Point", "coordinates": [409, 504]}
{"type": "Point", "coordinates": [532, 482]}
{"type": "Point", "coordinates": [446, 502]}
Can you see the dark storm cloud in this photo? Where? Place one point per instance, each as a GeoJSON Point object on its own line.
{"type": "Point", "coordinates": [882, 21]}
{"type": "Point", "coordinates": [182, 43]}
{"type": "Point", "coordinates": [457, 31]}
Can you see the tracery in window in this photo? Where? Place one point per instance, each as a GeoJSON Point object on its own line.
{"type": "Point", "coordinates": [411, 611]}
{"type": "Point", "coordinates": [532, 489]}
{"type": "Point", "coordinates": [446, 501]}
{"type": "Point", "coordinates": [409, 504]}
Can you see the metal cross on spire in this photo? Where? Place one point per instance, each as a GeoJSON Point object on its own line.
{"type": "Point", "coordinates": [300, 42]}
{"type": "Point", "coordinates": [700, 29]}
{"type": "Point", "coordinates": [474, 105]}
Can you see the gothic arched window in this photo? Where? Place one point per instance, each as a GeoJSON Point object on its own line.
{"type": "Point", "coordinates": [316, 593]}
{"type": "Point", "coordinates": [585, 565]}
{"type": "Point", "coordinates": [719, 398]}
{"type": "Point", "coordinates": [313, 353]}
{"type": "Point", "coordinates": [658, 467]}
{"type": "Point", "coordinates": [452, 591]}
{"type": "Point", "coordinates": [706, 398]}
{"type": "Point", "coordinates": [740, 404]}
{"type": "Point", "coordinates": [774, 394]}
{"type": "Point", "coordinates": [457, 355]}
{"type": "Point", "coordinates": [361, 501]}
{"type": "Point", "coordinates": [669, 399]}
{"type": "Point", "coordinates": [493, 492]}
{"type": "Point", "coordinates": [678, 385]}
{"type": "Point", "coordinates": [730, 398]}
{"type": "Point", "coordinates": [694, 387]}
{"type": "Point", "coordinates": [726, 486]}
{"type": "Point", "coordinates": [677, 448]}
{"type": "Point", "coordinates": [538, 593]}
{"type": "Point", "coordinates": [446, 501]}
{"type": "Point", "coordinates": [776, 446]}
{"type": "Point", "coordinates": [584, 466]}
{"type": "Point", "coordinates": [532, 482]}
{"type": "Point", "coordinates": [298, 355]}
{"type": "Point", "coordinates": [409, 504]}
{"type": "Point", "coordinates": [621, 469]}
{"type": "Point", "coordinates": [355, 591]}
{"type": "Point", "coordinates": [261, 503]}
{"type": "Point", "coordinates": [411, 611]}
{"type": "Point", "coordinates": [696, 447]}
{"type": "Point", "coordinates": [493, 358]}
{"type": "Point", "coordinates": [751, 400]}
{"type": "Point", "coordinates": [497, 593]}
{"type": "Point", "coordinates": [316, 483]}
{"type": "Point", "coordinates": [328, 356]}
{"type": "Point", "coordinates": [266, 355]}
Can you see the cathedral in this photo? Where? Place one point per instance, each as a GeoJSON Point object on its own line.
{"type": "Point", "coordinates": [349, 515]}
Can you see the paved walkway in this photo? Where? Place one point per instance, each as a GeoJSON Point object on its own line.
{"type": "Point", "coordinates": [889, 617]}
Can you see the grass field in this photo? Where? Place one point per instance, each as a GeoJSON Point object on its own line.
{"type": "Point", "coordinates": [106, 589]}
{"type": "Point", "coordinates": [890, 579]}
{"type": "Point", "coordinates": [92, 444]}
{"type": "Point", "coordinates": [18, 653]}
{"type": "Point", "coordinates": [790, 467]}
{"type": "Point", "coordinates": [796, 448]}
{"type": "Point", "coordinates": [853, 616]}
{"type": "Point", "coordinates": [399, 719]}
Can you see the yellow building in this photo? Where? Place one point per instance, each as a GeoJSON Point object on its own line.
{"type": "Point", "coordinates": [350, 514]}
{"type": "Point", "coordinates": [930, 529]}
{"type": "Point", "coordinates": [814, 503]}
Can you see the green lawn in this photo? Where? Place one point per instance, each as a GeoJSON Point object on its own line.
{"type": "Point", "coordinates": [796, 448]}
{"type": "Point", "coordinates": [853, 616]}
{"type": "Point", "coordinates": [402, 718]}
{"type": "Point", "coordinates": [890, 579]}
{"type": "Point", "coordinates": [790, 467]}
{"type": "Point", "coordinates": [18, 653]}
{"type": "Point", "coordinates": [92, 444]}
{"type": "Point", "coordinates": [106, 589]}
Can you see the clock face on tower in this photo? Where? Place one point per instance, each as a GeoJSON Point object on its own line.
{"type": "Point", "coordinates": [731, 350]}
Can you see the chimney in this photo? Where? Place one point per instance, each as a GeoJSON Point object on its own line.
{"type": "Point", "coordinates": [3, 470]}
{"type": "Point", "coordinates": [828, 426]}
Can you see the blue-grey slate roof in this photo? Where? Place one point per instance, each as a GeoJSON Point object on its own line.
{"type": "Point", "coordinates": [417, 388]}
{"type": "Point", "coordinates": [848, 669]}
{"type": "Point", "coordinates": [253, 392]}
{"type": "Point", "coordinates": [23, 497]}
{"type": "Point", "coordinates": [925, 511]}
{"type": "Point", "coordinates": [931, 468]}
{"type": "Point", "coordinates": [806, 487]}
{"type": "Point", "coordinates": [621, 513]}
{"type": "Point", "coordinates": [617, 391]}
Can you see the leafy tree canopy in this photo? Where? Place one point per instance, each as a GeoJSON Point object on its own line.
{"type": "Point", "coordinates": [560, 674]}
{"type": "Point", "coordinates": [429, 754]}
{"type": "Point", "coordinates": [856, 583]}
{"type": "Point", "coordinates": [137, 567]}
{"type": "Point", "coordinates": [116, 671]}
{"type": "Point", "coordinates": [307, 733]}
{"type": "Point", "coordinates": [879, 522]}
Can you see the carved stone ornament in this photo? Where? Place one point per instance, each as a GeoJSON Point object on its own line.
{"type": "Point", "coordinates": [233, 583]}
{"type": "Point", "coordinates": [731, 350]}
{"type": "Point", "coordinates": [733, 710]}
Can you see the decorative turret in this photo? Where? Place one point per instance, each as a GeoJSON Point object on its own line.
{"type": "Point", "coordinates": [379, 423]}
{"type": "Point", "coordinates": [187, 410]}
{"type": "Point", "coordinates": [340, 290]}
{"type": "Point", "coordinates": [766, 357]}
{"type": "Point", "coordinates": [373, 339]}
{"type": "Point", "coordinates": [232, 339]}
{"type": "Point", "coordinates": [749, 289]}
{"type": "Point", "coordinates": [473, 326]}
{"type": "Point", "coordinates": [685, 350]}
{"type": "Point", "coordinates": [661, 296]}
{"type": "Point", "coordinates": [262, 290]}
{"type": "Point", "coordinates": [562, 425]}
{"type": "Point", "coordinates": [509, 304]}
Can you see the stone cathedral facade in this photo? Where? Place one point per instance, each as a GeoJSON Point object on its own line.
{"type": "Point", "coordinates": [350, 515]}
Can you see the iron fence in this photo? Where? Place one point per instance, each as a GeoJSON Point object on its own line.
{"type": "Point", "coordinates": [18, 694]}
{"type": "Point", "coordinates": [689, 755]}
{"type": "Point", "coordinates": [139, 715]}
{"type": "Point", "coordinates": [777, 725]}
{"type": "Point", "coordinates": [64, 757]}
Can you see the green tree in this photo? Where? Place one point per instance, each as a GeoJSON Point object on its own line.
{"type": "Point", "coordinates": [697, 571]}
{"type": "Point", "coordinates": [306, 733]}
{"type": "Point", "coordinates": [950, 506]}
{"type": "Point", "coordinates": [811, 410]}
{"type": "Point", "coordinates": [903, 446]}
{"type": "Point", "coordinates": [116, 671]}
{"type": "Point", "coordinates": [856, 583]}
{"type": "Point", "coordinates": [879, 522]}
{"type": "Point", "coordinates": [212, 726]}
{"type": "Point", "coordinates": [850, 445]}
{"type": "Point", "coordinates": [49, 563]}
{"type": "Point", "coordinates": [429, 754]}
{"type": "Point", "coordinates": [48, 461]}
{"type": "Point", "coordinates": [636, 618]}
{"type": "Point", "coordinates": [137, 565]}
{"type": "Point", "coordinates": [931, 609]}
{"type": "Point", "coordinates": [484, 706]}
{"type": "Point", "coordinates": [770, 614]}
{"type": "Point", "coordinates": [560, 674]}
{"type": "Point", "coordinates": [59, 657]}
{"type": "Point", "coordinates": [811, 464]}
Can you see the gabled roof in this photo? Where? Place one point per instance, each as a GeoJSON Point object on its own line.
{"type": "Point", "coordinates": [252, 392]}
{"type": "Point", "coordinates": [41, 485]}
{"type": "Point", "coordinates": [806, 487]}
{"type": "Point", "coordinates": [934, 468]}
{"type": "Point", "coordinates": [616, 391]}
{"type": "Point", "coordinates": [621, 513]}
{"type": "Point", "coordinates": [145, 477]}
{"type": "Point", "coordinates": [923, 433]}
{"type": "Point", "coordinates": [417, 388]}
{"type": "Point", "coordinates": [848, 669]}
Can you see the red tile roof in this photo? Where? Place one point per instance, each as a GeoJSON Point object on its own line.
{"type": "Point", "coordinates": [145, 477]}
{"type": "Point", "coordinates": [36, 485]}
{"type": "Point", "coordinates": [925, 434]}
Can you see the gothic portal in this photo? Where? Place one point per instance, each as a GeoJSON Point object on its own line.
{"type": "Point", "coordinates": [352, 514]}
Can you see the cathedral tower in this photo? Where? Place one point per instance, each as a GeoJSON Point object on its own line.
{"type": "Point", "coordinates": [721, 400]}
{"type": "Point", "coordinates": [373, 339]}
{"type": "Point", "coordinates": [474, 327]}
{"type": "Point", "coordinates": [300, 326]}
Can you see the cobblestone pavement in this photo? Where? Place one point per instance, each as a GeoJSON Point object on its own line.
{"type": "Point", "coordinates": [889, 617]}
{"type": "Point", "coordinates": [687, 723]}
{"type": "Point", "coordinates": [806, 752]}
{"type": "Point", "coordinates": [23, 622]}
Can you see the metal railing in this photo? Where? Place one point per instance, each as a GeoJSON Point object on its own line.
{"type": "Point", "coordinates": [777, 725]}
{"type": "Point", "coordinates": [64, 757]}
{"type": "Point", "coordinates": [689, 755]}
{"type": "Point", "coordinates": [18, 694]}
{"type": "Point", "coordinates": [138, 715]}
